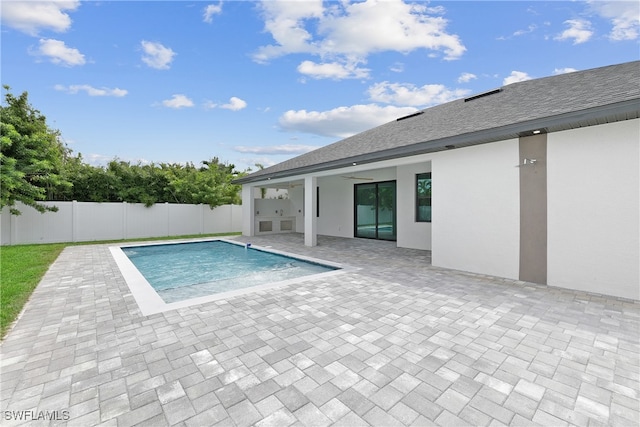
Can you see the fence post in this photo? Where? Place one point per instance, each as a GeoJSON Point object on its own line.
{"type": "Point", "coordinates": [74, 220]}
{"type": "Point", "coordinates": [13, 229]}
{"type": "Point", "coordinates": [124, 220]}
{"type": "Point", "coordinates": [202, 205]}
{"type": "Point", "coordinates": [166, 205]}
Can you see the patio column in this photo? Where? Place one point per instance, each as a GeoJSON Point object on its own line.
{"type": "Point", "coordinates": [310, 206]}
{"type": "Point", "coordinates": [248, 211]}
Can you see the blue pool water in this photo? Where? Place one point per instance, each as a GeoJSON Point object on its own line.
{"type": "Point", "coordinates": [189, 270]}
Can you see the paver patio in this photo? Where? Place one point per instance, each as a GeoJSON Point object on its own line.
{"type": "Point", "coordinates": [398, 342]}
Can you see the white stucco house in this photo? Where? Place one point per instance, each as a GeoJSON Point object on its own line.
{"type": "Point", "coordinates": [537, 181]}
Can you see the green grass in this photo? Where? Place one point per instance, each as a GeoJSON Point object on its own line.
{"type": "Point", "coordinates": [22, 268]}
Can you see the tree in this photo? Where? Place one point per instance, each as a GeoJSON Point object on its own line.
{"type": "Point", "coordinates": [90, 183]}
{"type": "Point", "coordinates": [210, 184]}
{"type": "Point", "coordinates": [31, 156]}
{"type": "Point", "coordinates": [216, 187]}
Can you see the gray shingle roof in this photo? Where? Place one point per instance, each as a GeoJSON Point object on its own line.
{"type": "Point", "coordinates": [567, 101]}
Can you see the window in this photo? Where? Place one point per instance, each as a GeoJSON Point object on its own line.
{"type": "Point", "coordinates": [423, 197]}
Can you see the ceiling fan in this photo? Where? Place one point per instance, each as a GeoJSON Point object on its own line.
{"type": "Point", "coordinates": [357, 177]}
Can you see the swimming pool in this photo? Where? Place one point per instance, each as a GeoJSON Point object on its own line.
{"type": "Point", "coordinates": [163, 276]}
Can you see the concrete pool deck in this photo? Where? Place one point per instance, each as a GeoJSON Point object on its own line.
{"type": "Point", "coordinates": [398, 342]}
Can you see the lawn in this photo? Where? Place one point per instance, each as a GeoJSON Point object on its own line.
{"type": "Point", "coordinates": [22, 268]}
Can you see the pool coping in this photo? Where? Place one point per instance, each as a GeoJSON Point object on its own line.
{"type": "Point", "coordinates": [150, 302]}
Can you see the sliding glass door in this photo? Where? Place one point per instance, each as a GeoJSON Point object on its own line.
{"type": "Point", "coordinates": [366, 211]}
{"type": "Point", "coordinates": [375, 210]}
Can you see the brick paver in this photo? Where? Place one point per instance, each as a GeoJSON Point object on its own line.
{"type": "Point", "coordinates": [397, 342]}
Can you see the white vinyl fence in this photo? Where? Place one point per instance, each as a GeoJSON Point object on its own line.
{"type": "Point", "coordinates": [89, 221]}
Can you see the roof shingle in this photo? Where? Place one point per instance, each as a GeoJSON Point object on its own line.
{"type": "Point", "coordinates": [561, 102]}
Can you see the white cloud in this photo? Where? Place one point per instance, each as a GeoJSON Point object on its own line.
{"type": "Point", "coordinates": [97, 159]}
{"type": "Point", "coordinates": [251, 162]}
{"type": "Point", "coordinates": [515, 77]}
{"type": "Point", "coordinates": [436, 10]}
{"type": "Point", "coordinates": [209, 105]}
{"type": "Point", "coordinates": [284, 20]}
{"type": "Point", "coordinates": [398, 67]}
{"type": "Point", "coordinates": [178, 101]}
{"type": "Point", "coordinates": [277, 149]}
{"type": "Point", "coordinates": [59, 53]}
{"type": "Point", "coordinates": [341, 122]}
{"type": "Point", "coordinates": [564, 70]}
{"type": "Point", "coordinates": [466, 77]}
{"type": "Point", "coordinates": [624, 17]}
{"type": "Point", "coordinates": [103, 159]}
{"type": "Point", "coordinates": [579, 31]}
{"type": "Point", "coordinates": [32, 16]}
{"type": "Point", "coordinates": [92, 91]}
{"type": "Point", "coordinates": [346, 33]}
{"type": "Point", "coordinates": [409, 94]}
{"type": "Point", "coordinates": [156, 55]}
{"type": "Point", "coordinates": [211, 10]}
{"type": "Point", "coordinates": [375, 26]}
{"type": "Point", "coordinates": [531, 28]}
{"type": "Point", "coordinates": [332, 70]}
{"type": "Point", "coordinates": [234, 104]}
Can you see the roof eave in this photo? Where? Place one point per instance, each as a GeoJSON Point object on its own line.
{"type": "Point", "coordinates": [609, 113]}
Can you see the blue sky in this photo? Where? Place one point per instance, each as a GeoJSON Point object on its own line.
{"type": "Point", "coordinates": [260, 82]}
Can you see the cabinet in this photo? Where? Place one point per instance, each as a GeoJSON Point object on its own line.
{"type": "Point", "coordinates": [272, 225]}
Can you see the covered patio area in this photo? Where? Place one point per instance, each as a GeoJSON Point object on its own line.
{"type": "Point", "coordinates": [397, 342]}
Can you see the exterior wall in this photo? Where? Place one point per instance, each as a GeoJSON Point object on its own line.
{"type": "Point", "coordinates": [593, 216]}
{"type": "Point", "coordinates": [248, 210]}
{"type": "Point", "coordinates": [272, 207]}
{"type": "Point", "coordinates": [296, 195]}
{"type": "Point", "coordinates": [271, 193]}
{"type": "Point", "coordinates": [411, 234]}
{"type": "Point", "coordinates": [86, 221]}
{"type": "Point", "coordinates": [273, 211]}
{"type": "Point", "coordinates": [336, 207]}
{"type": "Point", "coordinates": [476, 209]}
{"type": "Point", "coordinates": [533, 208]}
